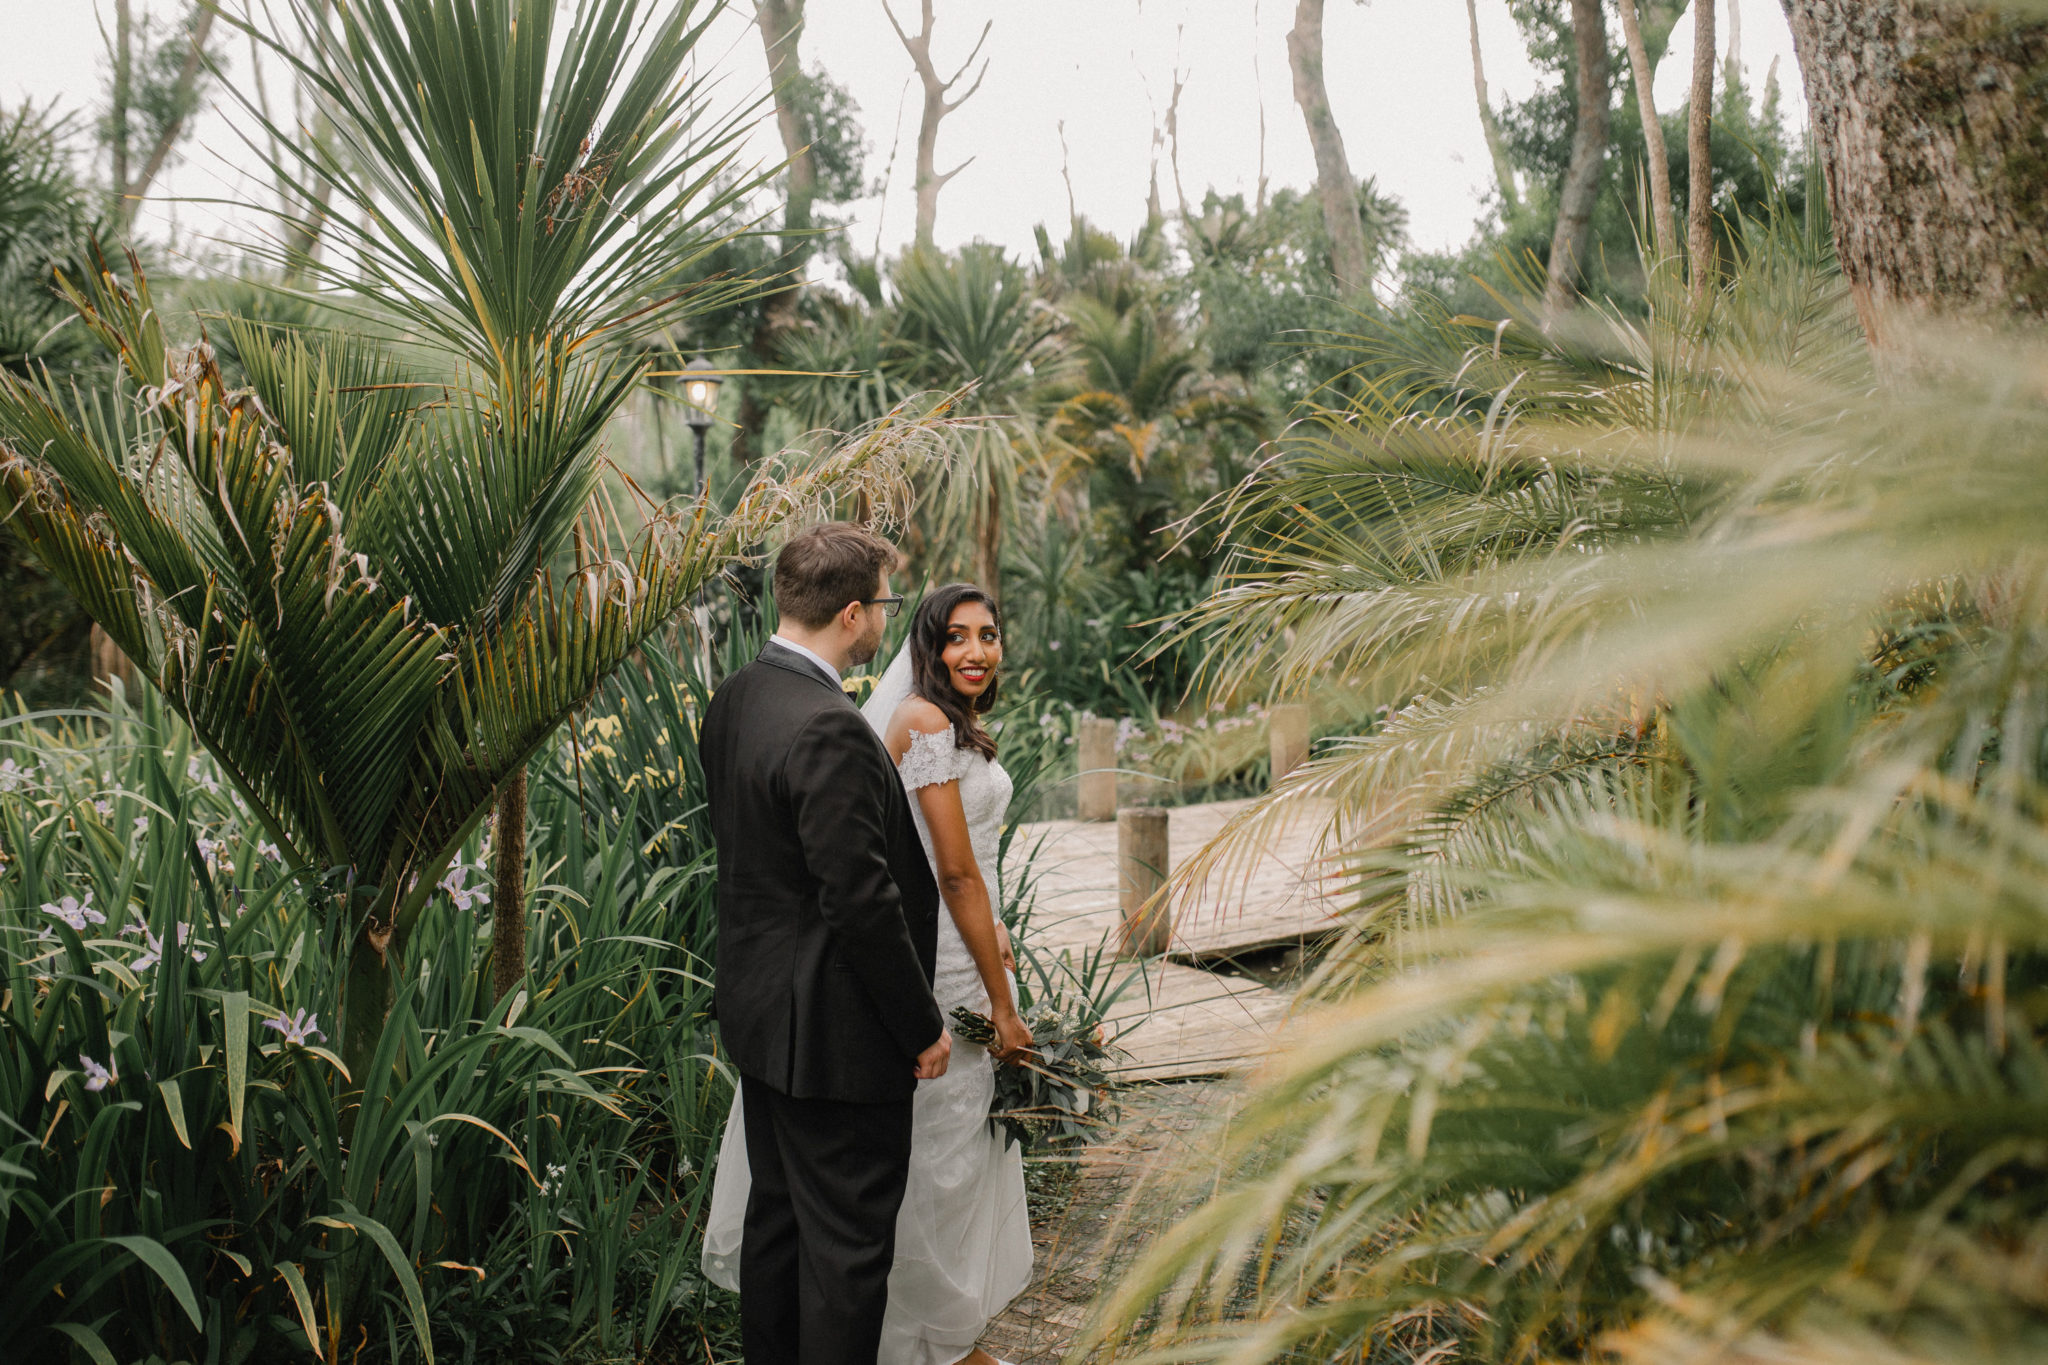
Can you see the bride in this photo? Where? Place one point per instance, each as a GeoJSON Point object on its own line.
{"type": "Point", "coordinates": [963, 1238]}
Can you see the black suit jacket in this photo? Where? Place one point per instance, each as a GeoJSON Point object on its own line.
{"type": "Point", "coordinates": [827, 912]}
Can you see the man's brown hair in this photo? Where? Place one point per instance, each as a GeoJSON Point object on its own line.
{"type": "Point", "coordinates": [824, 568]}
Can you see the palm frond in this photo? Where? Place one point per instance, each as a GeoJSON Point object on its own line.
{"type": "Point", "coordinates": [1697, 858]}
{"type": "Point", "coordinates": [501, 178]}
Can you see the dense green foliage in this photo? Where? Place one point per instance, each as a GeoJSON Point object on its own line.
{"type": "Point", "coordinates": [189, 1172]}
{"type": "Point", "coordinates": [1690, 770]}
{"type": "Point", "coordinates": [45, 221]}
{"type": "Point", "coordinates": [1695, 994]}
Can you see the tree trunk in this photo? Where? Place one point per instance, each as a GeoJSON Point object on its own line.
{"type": "Point", "coordinates": [182, 97]}
{"type": "Point", "coordinates": [936, 107]}
{"type": "Point", "coordinates": [302, 238]}
{"type": "Point", "coordinates": [508, 888]}
{"type": "Point", "coordinates": [109, 663]}
{"type": "Point", "coordinates": [1335, 187]}
{"type": "Point", "coordinates": [123, 100]}
{"type": "Point", "coordinates": [1259, 84]}
{"type": "Point", "coordinates": [1180, 193]}
{"type": "Point", "coordinates": [1155, 212]}
{"type": "Point", "coordinates": [1659, 165]}
{"type": "Point", "coordinates": [1931, 123]}
{"type": "Point", "coordinates": [781, 25]}
{"type": "Point", "coordinates": [1496, 146]}
{"type": "Point", "coordinates": [1699, 151]}
{"type": "Point", "coordinates": [1582, 178]}
{"type": "Point", "coordinates": [366, 986]}
{"type": "Point", "coordinates": [988, 546]}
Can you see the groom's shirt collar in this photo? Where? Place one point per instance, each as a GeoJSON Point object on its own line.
{"type": "Point", "coordinates": [831, 673]}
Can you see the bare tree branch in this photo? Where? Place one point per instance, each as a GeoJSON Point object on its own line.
{"type": "Point", "coordinates": [936, 107]}
{"type": "Point", "coordinates": [985, 28]}
{"type": "Point", "coordinates": [1496, 145]}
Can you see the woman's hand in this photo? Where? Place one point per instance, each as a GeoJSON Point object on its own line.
{"type": "Point", "coordinates": [1013, 1039]}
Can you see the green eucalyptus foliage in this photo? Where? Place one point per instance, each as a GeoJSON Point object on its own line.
{"type": "Point", "coordinates": [188, 1171]}
{"type": "Point", "coordinates": [1694, 1002]}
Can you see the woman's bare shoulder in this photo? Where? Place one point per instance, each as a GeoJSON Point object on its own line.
{"type": "Point", "coordinates": [913, 716]}
{"type": "Point", "coordinates": [922, 716]}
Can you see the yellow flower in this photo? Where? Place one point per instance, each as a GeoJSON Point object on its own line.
{"type": "Point", "coordinates": [606, 726]}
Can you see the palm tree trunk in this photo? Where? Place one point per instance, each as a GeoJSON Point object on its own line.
{"type": "Point", "coordinates": [1661, 213]}
{"type": "Point", "coordinates": [508, 890]}
{"type": "Point", "coordinates": [366, 986]}
{"type": "Point", "coordinates": [1496, 145]}
{"type": "Point", "coordinates": [1582, 178]}
{"type": "Point", "coordinates": [1336, 189]}
{"type": "Point", "coordinates": [109, 663]}
{"type": "Point", "coordinates": [1927, 118]}
{"type": "Point", "coordinates": [1699, 150]}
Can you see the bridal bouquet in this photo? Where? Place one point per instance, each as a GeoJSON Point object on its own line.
{"type": "Point", "coordinates": [1059, 1092]}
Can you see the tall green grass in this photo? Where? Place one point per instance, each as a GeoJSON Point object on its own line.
{"type": "Point", "coordinates": [517, 1179]}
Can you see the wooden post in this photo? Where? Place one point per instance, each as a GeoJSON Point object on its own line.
{"type": "Point", "coordinates": [1098, 769]}
{"type": "Point", "coordinates": [1288, 728]}
{"type": "Point", "coordinates": [1142, 864]}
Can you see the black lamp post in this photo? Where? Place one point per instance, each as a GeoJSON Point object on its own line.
{"type": "Point", "coordinates": [700, 396]}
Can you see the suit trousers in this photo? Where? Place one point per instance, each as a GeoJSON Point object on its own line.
{"type": "Point", "coordinates": [828, 1178]}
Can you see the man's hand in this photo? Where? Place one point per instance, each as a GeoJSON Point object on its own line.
{"type": "Point", "coordinates": [931, 1063]}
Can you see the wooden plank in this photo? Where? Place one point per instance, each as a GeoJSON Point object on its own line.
{"type": "Point", "coordinates": [1280, 898]}
{"type": "Point", "coordinates": [1179, 1022]}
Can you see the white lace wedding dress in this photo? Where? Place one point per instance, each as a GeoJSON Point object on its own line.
{"type": "Point", "coordinates": [963, 1237]}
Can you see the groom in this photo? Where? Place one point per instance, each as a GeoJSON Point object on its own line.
{"type": "Point", "coordinates": [827, 925]}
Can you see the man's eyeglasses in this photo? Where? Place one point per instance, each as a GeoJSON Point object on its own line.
{"type": "Point", "coordinates": [890, 605]}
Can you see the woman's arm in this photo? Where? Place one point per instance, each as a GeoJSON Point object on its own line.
{"type": "Point", "coordinates": [960, 879]}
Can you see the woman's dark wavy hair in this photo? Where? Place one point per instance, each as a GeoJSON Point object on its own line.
{"type": "Point", "coordinates": [929, 677]}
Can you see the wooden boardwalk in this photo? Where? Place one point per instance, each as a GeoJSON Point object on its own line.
{"type": "Point", "coordinates": [1175, 1017]}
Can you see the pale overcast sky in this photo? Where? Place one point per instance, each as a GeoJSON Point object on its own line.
{"type": "Point", "coordinates": [1399, 73]}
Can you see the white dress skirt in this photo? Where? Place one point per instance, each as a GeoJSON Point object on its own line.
{"type": "Point", "coordinates": [963, 1235]}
